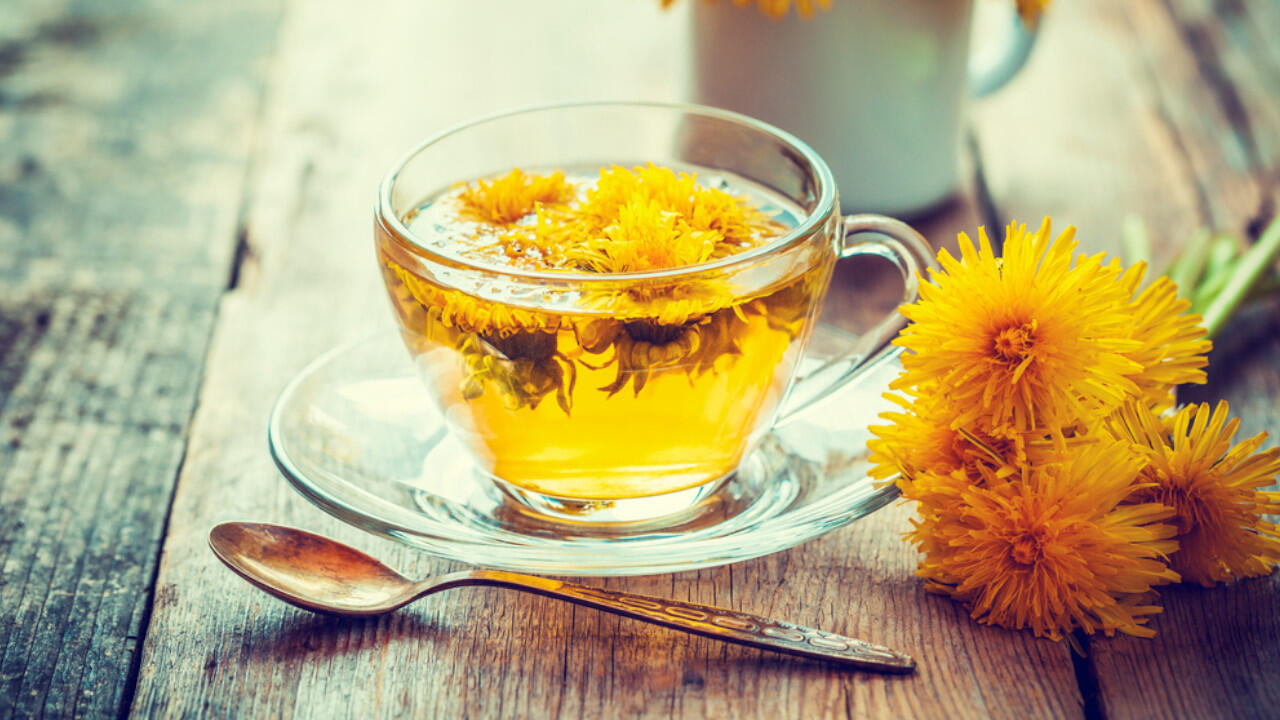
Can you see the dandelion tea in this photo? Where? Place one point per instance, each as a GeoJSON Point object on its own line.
{"type": "Point", "coordinates": [613, 390]}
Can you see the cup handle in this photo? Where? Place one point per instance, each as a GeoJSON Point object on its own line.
{"type": "Point", "coordinates": [991, 67]}
{"type": "Point", "coordinates": [899, 243]}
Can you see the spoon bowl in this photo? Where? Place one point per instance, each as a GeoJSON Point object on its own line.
{"type": "Point", "coordinates": [310, 571]}
{"type": "Point", "coordinates": [323, 575]}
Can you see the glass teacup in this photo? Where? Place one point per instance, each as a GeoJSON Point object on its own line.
{"type": "Point", "coordinates": [620, 396]}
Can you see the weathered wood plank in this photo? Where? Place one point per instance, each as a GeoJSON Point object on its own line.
{"type": "Point", "coordinates": [1079, 136]}
{"type": "Point", "coordinates": [93, 435]}
{"type": "Point", "coordinates": [218, 647]}
{"type": "Point", "coordinates": [1217, 82]}
{"type": "Point", "coordinates": [124, 133]}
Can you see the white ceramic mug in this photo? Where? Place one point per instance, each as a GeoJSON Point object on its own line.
{"type": "Point", "coordinates": [877, 87]}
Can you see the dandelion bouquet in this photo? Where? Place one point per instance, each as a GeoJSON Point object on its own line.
{"type": "Point", "coordinates": [1056, 483]}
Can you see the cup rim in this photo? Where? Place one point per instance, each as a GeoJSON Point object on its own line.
{"type": "Point", "coordinates": [823, 210]}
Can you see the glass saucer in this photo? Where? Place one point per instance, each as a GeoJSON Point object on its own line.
{"type": "Point", "coordinates": [357, 435]}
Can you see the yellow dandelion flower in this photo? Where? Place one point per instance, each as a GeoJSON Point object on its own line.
{"type": "Point", "coordinates": [1054, 550]}
{"type": "Point", "coordinates": [1032, 339]}
{"type": "Point", "coordinates": [777, 9]}
{"type": "Point", "coordinates": [630, 220]}
{"type": "Point", "coordinates": [1214, 488]}
{"type": "Point", "coordinates": [645, 236]}
{"type": "Point", "coordinates": [923, 438]}
{"type": "Point", "coordinates": [1030, 10]}
{"type": "Point", "coordinates": [645, 350]}
{"type": "Point", "coordinates": [730, 223]}
{"type": "Point", "coordinates": [465, 313]}
{"type": "Point", "coordinates": [1173, 342]}
{"type": "Point", "coordinates": [652, 218]}
{"type": "Point", "coordinates": [645, 218]}
{"type": "Point", "coordinates": [513, 350]}
{"type": "Point", "coordinates": [618, 186]}
{"type": "Point", "coordinates": [505, 200]}
{"type": "Point", "coordinates": [939, 497]}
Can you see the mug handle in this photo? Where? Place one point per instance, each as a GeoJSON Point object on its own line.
{"type": "Point", "coordinates": [991, 67]}
{"type": "Point", "coordinates": [900, 244]}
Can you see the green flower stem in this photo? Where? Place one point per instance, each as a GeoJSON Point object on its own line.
{"type": "Point", "coordinates": [1251, 267]}
{"type": "Point", "coordinates": [1222, 251]}
{"type": "Point", "coordinates": [1137, 242]}
{"type": "Point", "coordinates": [1210, 286]}
{"type": "Point", "coordinates": [1188, 267]}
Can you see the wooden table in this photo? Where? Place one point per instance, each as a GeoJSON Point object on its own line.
{"type": "Point", "coordinates": [185, 194]}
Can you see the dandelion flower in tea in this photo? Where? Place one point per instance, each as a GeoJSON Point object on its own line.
{"type": "Point", "coordinates": [692, 366]}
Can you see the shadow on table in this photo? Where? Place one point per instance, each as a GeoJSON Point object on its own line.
{"type": "Point", "coordinates": [760, 661]}
{"type": "Point", "coordinates": [301, 634]}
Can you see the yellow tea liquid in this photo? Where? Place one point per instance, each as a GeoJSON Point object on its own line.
{"type": "Point", "coordinates": [609, 403]}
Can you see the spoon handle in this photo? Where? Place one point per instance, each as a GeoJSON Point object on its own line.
{"type": "Point", "coordinates": [712, 622]}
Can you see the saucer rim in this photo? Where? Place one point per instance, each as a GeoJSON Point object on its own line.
{"type": "Point", "coordinates": [793, 526]}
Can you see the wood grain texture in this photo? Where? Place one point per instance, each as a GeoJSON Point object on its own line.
{"type": "Point", "coordinates": [136, 183]}
{"type": "Point", "coordinates": [1216, 79]}
{"type": "Point", "coordinates": [87, 478]}
{"type": "Point", "coordinates": [1171, 105]}
{"type": "Point", "coordinates": [124, 134]}
{"type": "Point", "coordinates": [1080, 136]}
{"type": "Point", "coordinates": [310, 283]}
{"type": "Point", "coordinates": [1217, 651]}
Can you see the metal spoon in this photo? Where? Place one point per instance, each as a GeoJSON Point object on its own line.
{"type": "Point", "coordinates": [322, 575]}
